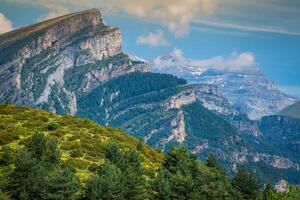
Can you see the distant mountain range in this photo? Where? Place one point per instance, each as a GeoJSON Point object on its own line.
{"type": "Point", "coordinates": [239, 80]}
{"type": "Point", "coordinates": [74, 65]}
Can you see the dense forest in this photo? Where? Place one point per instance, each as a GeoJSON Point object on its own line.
{"type": "Point", "coordinates": [47, 156]}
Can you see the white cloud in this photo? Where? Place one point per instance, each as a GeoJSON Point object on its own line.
{"type": "Point", "coordinates": [176, 15]}
{"type": "Point", "coordinates": [272, 16]}
{"type": "Point", "coordinates": [5, 24]}
{"type": "Point", "coordinates": [154, 39]}
{"type": "Point", "coordinates": [236, 62]}
{"type": "Point", "coordinates": [246, 27]}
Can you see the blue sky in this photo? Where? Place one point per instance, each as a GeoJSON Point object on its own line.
{"type": "Point", "coordinates": [201, 29]}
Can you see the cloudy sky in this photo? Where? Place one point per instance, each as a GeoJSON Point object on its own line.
{"type": "Point", "coordinates": [266, 31]}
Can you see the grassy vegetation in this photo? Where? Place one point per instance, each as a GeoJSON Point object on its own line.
{"type": "Point", "coordinates": [81, 141]}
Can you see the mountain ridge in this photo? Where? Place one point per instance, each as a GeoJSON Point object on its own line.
{"type": "Point", "coordinates": [27, 30]}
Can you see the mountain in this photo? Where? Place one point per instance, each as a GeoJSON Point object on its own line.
{"type": "Point", "coordinates": [38, 62]}
{"type": "Point", "coordinates": [74, 65]}
{"type": "Point", "coordinates": [291, 111]}
{"type": "Point", "coordinates": [238, 79]}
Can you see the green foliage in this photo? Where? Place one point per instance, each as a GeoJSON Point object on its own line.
{"type": "Point", "coordinates": [37, 174]}
{"type": "Point", "coordinates": [183, 177]}
{"type": "Point", "coordinates": [43, 149]}
{"type": "Point", "coordinates": [6, 157]}
{"type": "Point", "coordinates": [3, 196]}
{"type": "Point", "coordinates": [211, 126]}
{"type": "Point", "coordinates": [120, 177]}
{"type": "Point", "coordinates": [162, 186]}
{"type": "Point", "coordinates": [269, 193]}
{"type": "Point", "coordinates": [81, 141]}
{"type": "Point", "coordinates": [212, 161]}
{"type": "Point", "coordinates": [245, 182]}
{"type": "Point", "coordinates": [51, 126]}
{"type": "Point", "coordinates": [106, 184]}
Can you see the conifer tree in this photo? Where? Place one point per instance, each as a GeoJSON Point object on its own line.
{"type": "Point", "coordinates": [212, 161]}
{"type": "Point", "coordinates": [245, 182]}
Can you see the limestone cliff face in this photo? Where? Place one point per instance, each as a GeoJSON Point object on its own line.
{"type": "Point", "coordinates": [38, 63]}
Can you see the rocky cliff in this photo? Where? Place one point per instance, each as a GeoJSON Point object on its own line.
{"type": "Point", "coordinates": [37, 61]}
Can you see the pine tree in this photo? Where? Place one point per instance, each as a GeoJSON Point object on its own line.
{"type": "Point", "coordinates": [60, 184]}
{"type": "Point", "coordinates": [113, 152]}
{"type": "Point", "coordinates": [121, 176]}
{"type": "Point", "coordinates": [19, 181]}
{"type": "Point", "coordinates": [106, 184]}
{"type": "Point", "coordinates": [162, 186]}
{"type": "Point", "coordinates": [212, 161]}
{"type": "Point", "coordinates": [245, 182]}
{"type": "Point", "coordinates": [6, 157]}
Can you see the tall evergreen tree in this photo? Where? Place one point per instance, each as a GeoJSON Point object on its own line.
{"type": "Point", "coordinates": [184, 177]}
{"type": "Point", "coordinates": [162, 186]}
{"type": "Point", "coordinates": [212, 161]}
{"type": "Point", "coordinates": [245, 182]}
{"type": "Point", "coordinates": [6, 157]}
{"type": "Point", "coordinates": [121, 176]}
{"type": "Point", "coordinates": [106, 184]}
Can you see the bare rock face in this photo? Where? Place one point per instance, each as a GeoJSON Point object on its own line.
{"type": "Point", "coordinates": [211, 98]}
{"type": "Point", "coordinates": [282, 186]}
{"type": "Point", "coordinates": [51, 63]}
{"type": "Point", "coordinates": [184, 98]}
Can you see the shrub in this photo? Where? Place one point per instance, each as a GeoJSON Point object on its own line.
{"type": "Point", "coordinates": [52, 126]}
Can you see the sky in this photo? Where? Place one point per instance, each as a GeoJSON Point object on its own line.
{"type": "Point", "coordinates": [266, 30]}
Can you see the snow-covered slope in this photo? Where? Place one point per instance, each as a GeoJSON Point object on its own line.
{"type": "Point", "coordinates": [238, 78]}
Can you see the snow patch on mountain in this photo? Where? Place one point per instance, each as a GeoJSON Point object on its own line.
{"type": "Point", "coordinates": [237, 77]}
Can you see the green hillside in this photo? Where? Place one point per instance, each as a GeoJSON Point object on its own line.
{"type": "Point", "coordinates": [292, 110]}
{"type": "Point", "coordinates": [81, 141]}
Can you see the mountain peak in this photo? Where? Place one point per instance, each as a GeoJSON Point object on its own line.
{"type": "Point", "coordinates": [74, 21]}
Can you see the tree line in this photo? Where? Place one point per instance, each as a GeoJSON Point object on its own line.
{"type": "Point", "coordinates": [38, 173]}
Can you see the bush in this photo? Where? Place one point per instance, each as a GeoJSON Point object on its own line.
{"type": "Point", "coordinates": [76, 152]}
{"type": "Point", "coordinates": [52, 126]}
{"type": "Point", "coordinates": [6, 157]}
